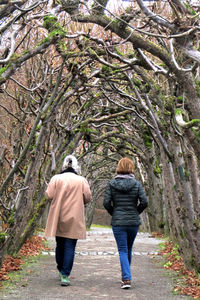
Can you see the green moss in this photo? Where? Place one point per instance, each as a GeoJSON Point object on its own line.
{"type": "Point", "coordinates": [183, 233]}
{"type": "Point", "coordinates": [32, 147]}
{"type": "Point", "coordinates": [192, 261]}
{"type": "Point", "coordinates": [181, 172]}
{"type": "Point", "coordinates": [194, 122]}
{"type": "Point", "coordinates": [197, 82]}
{"type": "Point", "coordinates": [51, 24]}
{"type": "Point", "coordinates": [2, 237]}
{"type": "Point", "coordinates": [196, 134]}
{"type": "Point", "coordinates": [115, 141]}
{"type": "Point", "coordinates": [38, 127]}
{"type": "Point", "coordinates": [178, 111]}
{"type": "Point", "coordinates": [157, 87]}
{"type": "Point", "coordinates": [197, 223]}
{"type": "Point", "coordinates": [34, 219]}
{"type": "Point", "coordinates": [180, 98]}
{"type": "Point", "coordinates": [52, 34]}
{"type": "Point", "coordinates": [86, 105]}
{"type": "Point", "coordinates": [187, 174]}
{"type": "Point", "coordinates": [157, 170]}
{"type": "Point", "coordinates": [106, 70]}
{"type": "Point", "coordinates": [161, 224]}
{"type": "Point", "coordinates": [14, 57]}
{"type": "Point", "coordinates": [25, 52]}
{"type": "Point", "coordinates": [71, 147]}
{"type": "Point", "coordinates": [11, 220]}
{"type": "Point", "coordinates": [168, 102]}
{"type": "Point", "coordinates": [92, 52]}
{"type": "Point", "coordinates": [2, 70]}
{"type": "Point", "coordinates": [118, 51]}
{"type": "Point", "coordinates": [57, 32]}
{"type": "Point", "coordinates": [147, 139]}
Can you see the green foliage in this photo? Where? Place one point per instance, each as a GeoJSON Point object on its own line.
{"type": "Point", "coordinates": [175, 249]}
{"type": "Point", "coordinates": [162, 246]}
{"type": "Point", "coordinates": [168, 264]}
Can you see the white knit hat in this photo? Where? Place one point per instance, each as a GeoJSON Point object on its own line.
{"type": "Point", "coordinates": [71, 161]}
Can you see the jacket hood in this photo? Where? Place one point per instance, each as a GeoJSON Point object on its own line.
{"type": "Point", "coordinates": [123, 184]}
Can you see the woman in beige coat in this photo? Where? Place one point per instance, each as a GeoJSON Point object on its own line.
{"type": "Point", "coordinates": [66, 221]}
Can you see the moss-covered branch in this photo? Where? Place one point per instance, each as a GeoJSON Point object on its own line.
{"type": "Point", "coordinates": [182, 123]}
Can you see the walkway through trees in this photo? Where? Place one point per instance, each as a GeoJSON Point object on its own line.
{"type": "Point", "coordinates": [96, 273]}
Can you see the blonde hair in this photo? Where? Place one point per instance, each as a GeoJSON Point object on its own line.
{"type": "Point", "coordinates": [125, 166]}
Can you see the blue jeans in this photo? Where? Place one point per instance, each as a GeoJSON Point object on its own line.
{"type": "Point", "coordinates": [65, 251]}
{"type": "Point", "coordinates": [125, 236]}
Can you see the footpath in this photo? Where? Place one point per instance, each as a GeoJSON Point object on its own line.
{"type": "Point", "coordinates": [96, 273]}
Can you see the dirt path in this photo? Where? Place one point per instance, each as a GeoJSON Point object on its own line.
{"type": "Point", "coordinates": [96, 273]}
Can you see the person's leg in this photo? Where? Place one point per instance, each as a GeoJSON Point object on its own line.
{"type": "Point", "coordinates": [68, 258]}
{"type": "Point", "coordinates": [59, 252]}
{"type": "Point", "coordinates": [120, 235]}
{"type": "Point", "coordinates": [131, 235]}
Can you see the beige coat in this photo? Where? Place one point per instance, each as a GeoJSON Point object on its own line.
{"type": "Point", "coordinates": [69, 192]}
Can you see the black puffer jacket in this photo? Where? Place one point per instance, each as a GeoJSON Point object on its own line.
{"type": "Point", "coordinates": [124, 200]}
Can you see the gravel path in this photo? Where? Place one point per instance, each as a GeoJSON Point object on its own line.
{"type": "Point", "coordinates": [96, 273]}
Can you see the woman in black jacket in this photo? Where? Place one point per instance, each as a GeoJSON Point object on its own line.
{"type": "Point", "coordinates": [125, 200]}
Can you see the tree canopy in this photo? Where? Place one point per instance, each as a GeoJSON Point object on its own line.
{"type": "Point", "coordinates": [77, 77]}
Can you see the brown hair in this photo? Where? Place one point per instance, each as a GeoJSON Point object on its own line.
{"type": "Point", "coordinates": [125, 166]}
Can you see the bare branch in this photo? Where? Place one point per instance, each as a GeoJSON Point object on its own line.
{"type": "Point", "coordinates": [36, 87]}
{"type": "Point", "coordinates": [157, 19]}
{"type": "Point", "coordinates": [155, 68]}
{"type": "Point", "coordinates": [9, 112]}
{"type": "Point", "coordinates": [12, 44]}
{"type": "Point", "coordinates": [174, 60]}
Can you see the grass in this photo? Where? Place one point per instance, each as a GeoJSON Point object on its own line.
{"type": "Point", "coordinates": [100, 226]}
